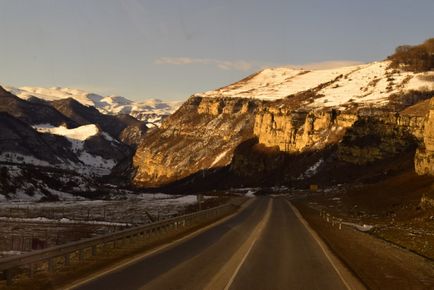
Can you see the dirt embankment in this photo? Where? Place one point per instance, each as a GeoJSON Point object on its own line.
{"type": "Point", "coordinates": [378, 264]}
{"type": "Point", "coordinates": [398, 253]}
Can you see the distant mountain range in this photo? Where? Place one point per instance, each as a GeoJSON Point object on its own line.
{"type": "Point", "coordinates": [151, 111]}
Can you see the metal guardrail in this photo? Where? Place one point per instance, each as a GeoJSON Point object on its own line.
{"type": "Point", "coordinates": [331, 219]}
{"type": "Point", "coordinates": [140, 234]}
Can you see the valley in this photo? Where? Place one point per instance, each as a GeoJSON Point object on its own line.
{"type": "Point", "coordinates": [342, 157]}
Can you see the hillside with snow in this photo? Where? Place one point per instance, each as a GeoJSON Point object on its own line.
{"type": "Point", "coordinates": [60, 146]}
{"type": "Point", "coordinates": [151, 111]}
{"type": "Point", "coordinates": [369, 84]}
{"type": "Point", "coordinates": [87, 162]}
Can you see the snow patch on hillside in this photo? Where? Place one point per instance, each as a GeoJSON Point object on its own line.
{"type": "Point", "coordinates": [77, 134]}
{"type": "Point", "coordinates": [60, 221]}
{"type": "Point", "coordinates": [311, 171]}
{"type": "Point", "coordinates": [77, 137]}
{"type": "Point", "coordinates": [219, 157]}
{"type": "Point", "coordinates": [370, 84]}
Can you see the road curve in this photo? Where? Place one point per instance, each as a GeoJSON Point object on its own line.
{"type": "Point", "coordinates": [265, 246]}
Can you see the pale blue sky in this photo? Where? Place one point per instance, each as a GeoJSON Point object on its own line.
{"type": "Point", "coordinates": [171, 49]}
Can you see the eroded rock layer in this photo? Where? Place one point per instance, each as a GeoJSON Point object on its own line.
{"type": "Point", "coordinates": [292, 122]}
{"type": "Point", "coordinates": [201, 135]}
{"type": "Point", "coordinates": [424, 159]}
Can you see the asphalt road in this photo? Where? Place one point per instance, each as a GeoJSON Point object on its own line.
{"type": "Point", "coordinates": [265, 246]}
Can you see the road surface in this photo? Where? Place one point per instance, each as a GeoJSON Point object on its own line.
{"type": "Point", "coordinates": [265, 246]}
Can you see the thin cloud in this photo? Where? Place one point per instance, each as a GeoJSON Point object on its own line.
{"type": "Point", "coordinates": [221, 64]}
{"type": "Point", "coordinates": [243, 65]}
{"type": "Point", "coordinates": [328, 64]}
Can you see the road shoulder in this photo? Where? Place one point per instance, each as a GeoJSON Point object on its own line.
{"type": "Point", "coordinates": [378, 264]}
{"type": "Point", "coordinates": [347, 277]}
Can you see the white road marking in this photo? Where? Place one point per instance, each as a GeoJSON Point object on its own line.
{"type": "Point", "coordinates": [219, 280]}
{"type": "Point", "coordinates": [261, 228]}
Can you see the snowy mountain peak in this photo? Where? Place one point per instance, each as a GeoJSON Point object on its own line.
{"type": "Point", "coordinates": [151, 111]}
{"type": "Point", "coordinates": [370, 83]}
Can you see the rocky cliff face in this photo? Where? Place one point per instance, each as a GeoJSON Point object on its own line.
{"type": "Point", "coordinates": [376, 137]}
{"type": "Point", "coordinates": [211, 133]}
{"type": "Point", "coordinates": [296, 131]}
{"type": "Point", "coordinates": [201, 135]}
{"type": "Point", "coordinates": [283, 125]}
{"type": "Point", "coordinates": [424, 159]}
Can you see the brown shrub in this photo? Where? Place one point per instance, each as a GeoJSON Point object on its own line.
{"type": "Point", "coordinates": [416, 58]}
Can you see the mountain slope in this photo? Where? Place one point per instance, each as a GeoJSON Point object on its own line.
{"type": "Point", "coordinates": [151, 111]}
{"type": "Point", "coordinates": [368, 84]}
{"type": "Point", "coordinates": [284, 126]}
{"type": "Point", "coordinates": [21, 140]}
{"type": "Point", "coordinates": [31, 112]}
{"type": "Point", "coordinates": [122, 127]}
{"type": "Point", "coordinates": [46, 154]}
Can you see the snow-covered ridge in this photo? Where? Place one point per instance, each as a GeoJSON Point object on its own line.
{"type": "Point", "coordinates": [151, 110]}
{"type": "Point", "coordinates": [370, 83]}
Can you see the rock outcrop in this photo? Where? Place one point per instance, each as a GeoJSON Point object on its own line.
{"type": "Point", "coordinates": [201, 135]}
{"type": "Point", "coordinates": [296, 131]}
{"type": "Point", "coordinates": [373, 138]}
{"type": "Point", "coordinates": [206, 133]}
{"type": "Point", "coordinates": [424, 159]}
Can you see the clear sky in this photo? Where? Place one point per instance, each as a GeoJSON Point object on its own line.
{"type": "Point", "coordinates": [170, 49]}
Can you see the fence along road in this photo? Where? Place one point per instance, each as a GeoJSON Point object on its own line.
{"type": "Point", "coordinates": [137, 235]}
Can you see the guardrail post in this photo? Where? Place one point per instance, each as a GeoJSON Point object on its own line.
{"type": "Point", "coordinates": [93, 250]}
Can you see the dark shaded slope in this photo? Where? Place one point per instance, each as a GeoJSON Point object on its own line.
{"type": "Point", "coordinates": [117, 126]}
{"type": "Point", "coordinates": [32, 112]}
{"type": "Point", "coordinates": [18, 137]}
